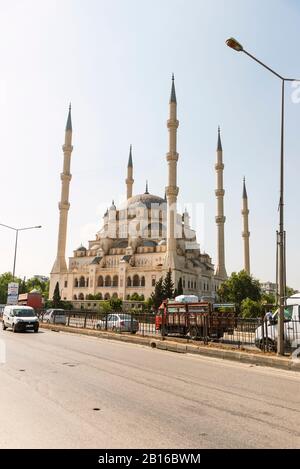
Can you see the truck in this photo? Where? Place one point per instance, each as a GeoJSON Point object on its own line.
{"type": "Point", "coordinates": [195, 320]}
{"type": "Point", "coordinates": [266, 335]}
{"type": "Point", "coordinates": [33, 299]}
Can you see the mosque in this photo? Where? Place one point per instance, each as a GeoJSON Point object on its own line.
{"type": "Point", "coordinates": [144, 238]}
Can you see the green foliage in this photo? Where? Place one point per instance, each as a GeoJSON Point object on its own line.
{"type": "Point", "coordinates": [179, 287]}
{"type": "Point", "coordinates": [90, 297]}
{"type": "Point", "coordinates": [98, 296]}
{"type": "Point", "coordinates": [137, 297]}
{"type": "Point", "coordinates": [37, 284]}
{"type": "Point", "coordinates": [105, 307]}
{"type": "Point", "coordinates": [290, 291]}
{"type": "Point", "coordinates": [251, 308]}
{"type": "Point", "coordinates": [25, 286]}
{"type": "Point", "coordinates": [56, 300]}
{"type": "Point", "coordinates": [168, 285]}
{"type": "Point", "coordinates": [5, 279]}
{"type": "Point", "coordinates": [158, 295]}
{"type": "Point", "coordinates": [238, 287]}
{"type": "Point", "coordinates": [116, 304]}
{"type": "Point", "coordinates": [268, 298]}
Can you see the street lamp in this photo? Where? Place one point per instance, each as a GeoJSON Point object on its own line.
{"type": "Point", "coordinates": [16, 241]}
{"type": "Point", "coordinates": [235, 45]}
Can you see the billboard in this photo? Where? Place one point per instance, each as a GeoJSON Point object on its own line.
{"type": "Point", "coordinates": [12, 293]}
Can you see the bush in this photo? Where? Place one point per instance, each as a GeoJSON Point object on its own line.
{"type": "Point", "coordinates": [251, 308]}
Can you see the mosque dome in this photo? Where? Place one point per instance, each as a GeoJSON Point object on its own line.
{"type": "Point", "coordinates": [144, 199]}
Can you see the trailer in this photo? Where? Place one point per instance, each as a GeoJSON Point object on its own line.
{"type": "Point", "coordinates": [195, 320]}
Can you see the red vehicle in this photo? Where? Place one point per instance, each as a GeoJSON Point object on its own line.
{"type": "Point", "coordinates": [196, 320]}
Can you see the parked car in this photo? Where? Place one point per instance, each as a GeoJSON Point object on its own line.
{"type": "Point", "coordinates": [119, 322]}
{"type": "Point", "coordinates": [55, 316]}
{"type": "Point", "coordinates": [268, 332]}
{"type": "Point", "coordinates": [20, 318]}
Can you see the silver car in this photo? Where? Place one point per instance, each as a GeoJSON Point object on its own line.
{"type": "Point", "coordinates": [119, 322]}
{"type": "Point", "coordinates": [55, 316]}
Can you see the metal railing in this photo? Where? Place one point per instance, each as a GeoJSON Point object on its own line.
{"type": "Point", "coordinates": [219, 328]}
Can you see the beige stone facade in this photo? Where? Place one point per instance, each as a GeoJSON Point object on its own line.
{"type": "Point", "coordinates": [138, 241]}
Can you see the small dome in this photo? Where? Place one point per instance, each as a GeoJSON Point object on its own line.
{"type": "Point", "coordinates": [81, 248]}
{"type": "Point", "coordinates": [162, 242]}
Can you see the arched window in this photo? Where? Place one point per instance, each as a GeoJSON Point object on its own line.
{"type": "Point", "coordinates": [107, 296]}
{"type": "Point", "coordinates": [87, 282]}
{"type": "Point", "coordinates": [143, 281]}
{"type": "Point", "coordinates": [82, 282]}
{"type": "Point", "coordinates": [75, 297]}
{"type": "Point", "coordinates": [188, 284]}
{"type": "Point", "coordinates": [127, 297]}
{"type": "Point", "coordinates": [115, 295]}
{"type": "Point", "coordinates": [108, 281]}
{"type": "Point", "coordinates": [76, 283]}
{"type": "Point", "coordinates": [100, 281]}
{"type": "Point", "coordinates": [153, 282]}
{"type": "Point", "coordinates": [136, 281]}
{"type": "Point", "coordinates": [115, 281]}
{"type": "Point", "coordinates": [81, 296]}
{"type": "Point", "coordinates": [128, 281]}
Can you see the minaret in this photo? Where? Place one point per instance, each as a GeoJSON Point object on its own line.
{"type": "Point", "coordinates": [60, 265]}
{"type": "Point", "coordinates": [129, 180]}
{"type": "Point", "coordinates": [246, 232]}
{"type": "Point", "coordinates": [220, 218]}
{"type": "Point", "coordinates": [172, 189]}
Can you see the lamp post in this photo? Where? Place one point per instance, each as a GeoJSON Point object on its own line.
{"type": "Point", "coordinates": [235, 45]}
{"type": "Point", "coordinates": [16, 240]}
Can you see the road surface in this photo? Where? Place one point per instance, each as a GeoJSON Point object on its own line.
{"type": "Point", "coordinates": [52, 382]}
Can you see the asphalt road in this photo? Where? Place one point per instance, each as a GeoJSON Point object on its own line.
{"type": "Point", "coordinates": [52, 382]}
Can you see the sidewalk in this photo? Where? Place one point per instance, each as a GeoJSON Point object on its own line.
{"type": "Point", "coordinates": [211, 350]}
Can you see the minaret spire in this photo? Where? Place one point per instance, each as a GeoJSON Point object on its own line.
{"type": "Point", "coordinates": [60, 265]}
{"type": "Point", "coordinates": [220, 218]}
{"type": "Point", "coordinates": [146, 191]}
{"type": "Point", "coordinates": [173, 93]}
{"type": "Point", "coordinates": [129, 180]}
{"type": "Point", "coordinates": [172, 189]}
{"type": "Point", "coordinates": [246, 232]}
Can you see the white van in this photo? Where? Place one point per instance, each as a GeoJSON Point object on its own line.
{"type": "Point", "coordinates": [20, 318]}
{"type": "Point", "coordinates": [291, 326]}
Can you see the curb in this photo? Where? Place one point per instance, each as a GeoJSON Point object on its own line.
{"type": "Point", "coordinates": [239, 356]}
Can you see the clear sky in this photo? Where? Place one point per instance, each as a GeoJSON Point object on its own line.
{"type": "Point", "coordinates": [114, 59]}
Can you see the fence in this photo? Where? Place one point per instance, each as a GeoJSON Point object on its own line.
{"type": "Point", "coordinates": [237, 332]}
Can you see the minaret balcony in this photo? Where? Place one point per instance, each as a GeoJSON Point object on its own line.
{"type": "Point", "coordinates": [64, 205]}
{"type": "Point", "coordinates": [220, 220]}
{"type": "Point", "coordinates": [219, 166]}
{"type": "Point", "coordinates": [67, 148]}
{"type": "Point", "coordinates": [66, 177]}
{"type": "Point", "coordinates": [173, 124]}
{"type": "Point", "coordinates": [172, 156]}
{"type": "Point", "coordinates": [220, 192]}
{"type": "Point", "coordinates": [172, 191]}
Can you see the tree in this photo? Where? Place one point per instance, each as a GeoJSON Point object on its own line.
{"type": "Point", "coordinates": [116, 304]}
{"type": "Point", "coordinates": [168, 285]}
{"type": "Point", "coordinates": [56, 301]}
{"type": "Point", "coordinates": [239, 287]}
{"type": "Point", "coordinates": [251, 308]}
{"type": "Point", "coordinates": [158, 295]}
{"type": "Point", "coordinates": [290, 291]}
{"type": "Point", "coordinates": [180, 287]}
{"type": "Point", "coordinates": [5, 279]}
